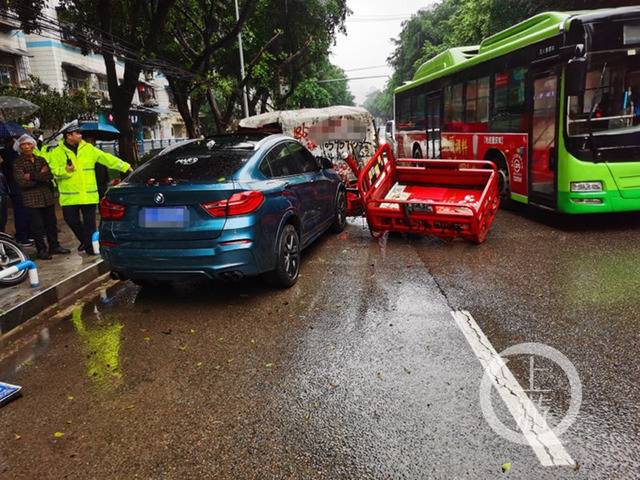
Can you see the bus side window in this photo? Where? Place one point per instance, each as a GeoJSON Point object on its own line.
{"type": "Point", "coordinates": [508, 103]}
{"type": "Point", "coordinates": [404, 114]}
{"type": "Point", "coordinates": [453, 107]}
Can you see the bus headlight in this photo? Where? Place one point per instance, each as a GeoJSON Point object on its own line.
{"type": "Point", "coordinates": [585, 187]}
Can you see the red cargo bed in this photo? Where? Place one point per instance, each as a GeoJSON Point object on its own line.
{"type": "Point", "coordinates": [443, 198]}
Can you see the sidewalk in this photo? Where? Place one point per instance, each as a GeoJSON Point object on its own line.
{"type": "Point", "coordinates": [59, 277]}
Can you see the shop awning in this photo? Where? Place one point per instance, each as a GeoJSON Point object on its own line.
{"type": "Point", "coordinates": [82, 68]}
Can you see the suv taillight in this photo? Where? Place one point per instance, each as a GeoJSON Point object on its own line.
{"type": "Point", "coordinates": [237, 204]}
{"type": "Point", "coordinates": [111, 211]}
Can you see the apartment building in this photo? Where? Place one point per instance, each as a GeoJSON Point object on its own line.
{"type": "Point", "coordinates": [58, 61]}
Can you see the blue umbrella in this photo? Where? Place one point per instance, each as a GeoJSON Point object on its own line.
{"type": "Point", "coordinates": [15, 129]}
{"type": "Point", "coordinates": [11, 129]}
{"type": "Point", "coordinates": [101, 131]}
{"type": "Point", "coordinates": [4, 130]}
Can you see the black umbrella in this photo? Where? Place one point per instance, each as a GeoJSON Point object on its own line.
{"type": "Point", "coordinates": [13, 108]}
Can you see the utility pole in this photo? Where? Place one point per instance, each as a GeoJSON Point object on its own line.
{"type": "Point", "coordinates": [245, 102]}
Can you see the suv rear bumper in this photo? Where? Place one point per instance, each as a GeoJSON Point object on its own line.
{"type": "Point", "coordinates": [231, 261]}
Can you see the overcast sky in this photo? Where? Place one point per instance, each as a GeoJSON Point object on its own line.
{"type": "Point", "coordinates": [367, 43]}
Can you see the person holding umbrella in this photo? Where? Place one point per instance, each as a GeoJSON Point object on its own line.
{"type": "Point", "coordinates": [73, 163]}
{"type": "Point", "coordinates": [34, 177]}
{"type": "Point", "coordinates": [13, 108]}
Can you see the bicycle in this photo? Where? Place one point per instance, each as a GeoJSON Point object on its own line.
{"type": "Point", "coordinates": [10, 255]}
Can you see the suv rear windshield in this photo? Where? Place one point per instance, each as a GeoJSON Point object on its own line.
{"type": "Point", "coordinates": [195, 163]}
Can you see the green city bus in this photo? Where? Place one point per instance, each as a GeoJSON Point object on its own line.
{"type": "Point", "coordinates": [554, 101]}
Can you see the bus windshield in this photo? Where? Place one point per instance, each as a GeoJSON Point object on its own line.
{"type": "Point", "coordinates": [611, 97]}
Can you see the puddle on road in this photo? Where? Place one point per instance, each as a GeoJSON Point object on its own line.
{"type": "Point", "coordinates": [99, 332]}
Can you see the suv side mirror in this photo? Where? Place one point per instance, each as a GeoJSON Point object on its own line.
{"type": "Point", "coordinates": [325, 163]}
{"type": "Point", "coordinates": [575, 76]}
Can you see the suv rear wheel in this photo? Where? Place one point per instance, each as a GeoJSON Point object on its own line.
{"type": "Point", "coordinates": [287, 268]}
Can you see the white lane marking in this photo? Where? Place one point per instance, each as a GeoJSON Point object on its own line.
{"type": "Point", "coordinates": [533, 425]}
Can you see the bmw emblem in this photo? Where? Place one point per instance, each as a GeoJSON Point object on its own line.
{"type": "Point", "coordinates": [158, 198]}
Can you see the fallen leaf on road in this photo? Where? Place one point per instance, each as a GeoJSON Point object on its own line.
{"type": "Point", "coordinates": [58, 434]}
{"type": "Point", "coordinates": [192, 331]}
{"type": "Point", "coordinates": [407, 370]}
{"type": "Point", "coordinates": [333, 385]}
{"type": "Point", "coordinates": [253, 341]}
{"type": "Point", "coordinates": [70, 397]}
{"type": "Point", "coordinates": [166, 332]}
{"type": "Point", "coordinates": [69, 422]}
{"type": "Point", "coordinates": [307, 416]}
{"type": "Point", "coordinates": [230, 360]}
{"type": "Point", "coordinates": [199, 364]}
{"type": "Point", "coordinates": [182, 348]}
{"type": "Point", "coordinates": [16, 436]}
{"type": "Point", "coordinates": [220, 339]}
{"type": "Point", "coordinates": [380, 376]}
{"type": "Point", "coordinates": [268, 365]}
{"type": "Point", "coordinates": [129, 407]}
{"type": "Point", "coordinates": [506, 467]}
{"type": "Point", "coordinates": [147, 339]}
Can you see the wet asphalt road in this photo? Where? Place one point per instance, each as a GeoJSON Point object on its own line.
{"type": "Point", "coordinates": [358, 371]}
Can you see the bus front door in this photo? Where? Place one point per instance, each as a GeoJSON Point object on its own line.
{"type": "Point", "coordinates": [543, 162]}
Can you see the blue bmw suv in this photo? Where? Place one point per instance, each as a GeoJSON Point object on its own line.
{"type": "Point", "coordinates": [225, 207]}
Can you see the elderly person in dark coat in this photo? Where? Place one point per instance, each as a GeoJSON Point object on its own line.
{"type": "Point", "coordinates": [34, 177]}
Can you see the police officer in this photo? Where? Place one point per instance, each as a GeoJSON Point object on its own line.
{"type": "Point", "coordinates": [72, 163]}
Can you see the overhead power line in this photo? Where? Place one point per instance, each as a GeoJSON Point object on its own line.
{"type": "Point", "coordinates": [365, 68]}
{"type": "Point", "coordinates": [330, 80]}
{"type": "Point", "coordinates": [52, 28]}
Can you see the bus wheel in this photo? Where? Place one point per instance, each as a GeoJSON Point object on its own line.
{"type": "Point", "coordinates": [503, 174]}
{"type": "Point", "coordinates": [503, 182]}
{"type": "Point", "coordinates": [417, 151]}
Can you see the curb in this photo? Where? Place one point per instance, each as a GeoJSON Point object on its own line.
{"type": "Point", "coordinates": [48, 297]}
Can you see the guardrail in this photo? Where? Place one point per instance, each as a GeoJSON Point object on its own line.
{"type": "Point", "coordinates": [143, 146]}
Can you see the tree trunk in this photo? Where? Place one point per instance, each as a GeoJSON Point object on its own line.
{"type": "Point", "coordinates": [215, 110]}
{"type": "Point", "coordinates": [196, 105]}
{"type": "Point", "coordinates": [181, 96]}
{"type": "Point", "coordinates": [121, 96]}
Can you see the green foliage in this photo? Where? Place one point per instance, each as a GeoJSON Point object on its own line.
{"type": "Point", "coordinates": [55, 108]}
{"type": "Point", "coordinates": [297, 36]}
{"type": "Point", "coordinates": [379, 103]}
{"type": "Point", "coordinates": [311, 94]}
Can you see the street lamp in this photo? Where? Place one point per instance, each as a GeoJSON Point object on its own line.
{"type": "Point", "coordinates": [245, 102]}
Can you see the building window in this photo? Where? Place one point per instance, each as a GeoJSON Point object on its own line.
{"type": "Point", "coordinates": [103, 85]}
{"type": "Point", "coordinates": [8, 70]}
{"type": "Point", "coordinates": [76, 79]}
